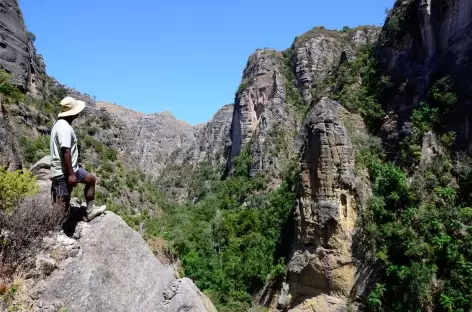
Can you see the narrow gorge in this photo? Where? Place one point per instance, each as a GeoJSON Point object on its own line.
{"type": "Point", "coordinates": [338, 180]}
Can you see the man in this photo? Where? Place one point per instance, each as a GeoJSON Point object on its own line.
{"type": "Point", "coordinates": [65, 170]}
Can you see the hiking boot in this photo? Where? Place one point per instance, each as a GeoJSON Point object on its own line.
{"type": "Point", "coordinates": [96, 211]}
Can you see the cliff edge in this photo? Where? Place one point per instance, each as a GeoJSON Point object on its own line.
{"type": "Point", "coordinates": [108, 267]}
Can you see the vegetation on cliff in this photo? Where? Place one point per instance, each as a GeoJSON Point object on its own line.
{"type": "Point", "coordinates": [418, 223]}
{"type": "Point", "coordinates": [233, 234]}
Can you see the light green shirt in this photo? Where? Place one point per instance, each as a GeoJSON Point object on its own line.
{"type": "Point", "coordinates": [62, 135]}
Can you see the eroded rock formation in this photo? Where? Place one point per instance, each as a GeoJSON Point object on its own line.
{"type": "Point", "coordinates": [9, 154]}
{"type": "Point", "coordinates": [265, 116]}
{"type": "Point", "coordinates": [17, 53]}
{"type": "Point", "coordinates": [154, 141]}
{"type": "Point", "coordinates": [322, 270]}
{"type": "Point", "coordinates": [262, 117]}
{"type": "Point", "coordinates": [213, 140]}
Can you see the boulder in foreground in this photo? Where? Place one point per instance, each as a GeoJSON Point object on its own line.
{"type": "Point", "coordinates": [113, 270]}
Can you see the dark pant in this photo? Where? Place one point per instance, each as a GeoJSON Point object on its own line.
{"type": "Point", "coordinates": [61, 191]}
{"type": "Point", "coordinates": [61, 187]}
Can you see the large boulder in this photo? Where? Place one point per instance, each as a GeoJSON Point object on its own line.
{"type": "Point", "coordinates": [42, 168]}
{"type": "Point", "coordinates": [113, 270]}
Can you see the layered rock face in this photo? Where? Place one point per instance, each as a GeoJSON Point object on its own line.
{"type": "Point", "coordinates": [155, 141]}
{"type": "Point", "coordinates": [322, 270]}
{"type": "Point", "coordinates": [261, 113]}
{"type": "Point", "coordinates": [17, 53]}
{"type": "Point", "coordinates": [213, 141]}
{"type": "Point", "coordinates": [9, 154]}
{"type": "Point", "coordinates": [421, 37]}
{"type": "Point", "coordinates": [434, 35]}
{"type": "Point", "coordinates": [152, 140]}
{"type": "Point", "coordinates": [318, 50]}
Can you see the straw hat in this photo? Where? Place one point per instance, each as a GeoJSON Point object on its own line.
{"type": "Point", "coordinates": [71, 107]}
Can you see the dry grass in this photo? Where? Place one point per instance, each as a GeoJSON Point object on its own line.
{"type": "Point", "coordinates": [164, 254]}
{"type": "Point", "coordinates": [161, 250]}
{"type": "Point", "coordinates": [20, 297]}
{"type": "Point", "coordinates": [22, 236]}
{"type": "Point", "coordinates": [257, 308]}
{"type": "Point", "coordinates": [16, 294]}
{"type": "Point", "coordinates": [4, 288]}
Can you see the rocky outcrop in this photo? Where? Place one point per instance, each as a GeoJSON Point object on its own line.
{"type": "Point", "coordinates": [108, 267]}
{"type": "Point", "coordinates": [9, 154]}
{"type": "Point", "coordinates": [322, 270]}
{"type": "Point", "coordinates": [17, 53]}
{"type": "Point", "coordinates": [266, 114]}
{"type": "Point", "coordinates": [262, 116]}
{"type": "Point", "coordinates": [317, 51]}
{"type": "Point", "coordinates": [152, 140]}
{"type": "Point", "coordinates": [18, 56]}
{"type": "Point", "coordinates": [213, 138]}
{"type": "Point", "coordinates": [42, 168]}
{"type": "Point", "coordinates": [430, 148]}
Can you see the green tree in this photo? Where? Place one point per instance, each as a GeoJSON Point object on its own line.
{"type": "Point", "coordinates": [7, 88]}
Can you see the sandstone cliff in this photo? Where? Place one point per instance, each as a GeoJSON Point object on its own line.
{"type": "Point", "coordinates": [151, 140]}
{"type": "Point", "coordinates": [277, 89]}
{"type": "Point", "coordinates": [322, 271]}
{"type": "Point", "coordinates": [260, 107]}
{"type": "Point", "coordinates": [213, 140]}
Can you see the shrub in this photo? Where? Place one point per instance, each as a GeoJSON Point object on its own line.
{"type": "Point", "coordinates": [424, 243]}
{"type": "Point", "coordinates": [109, 154]}
{"type": "Point", "coordinates": [92, 130]}
{"type": "Point", "coordinates": [31, 36]}
{"type": "Point", "coordinates": [31, 220]}
{"type": "Point", "coordinates": [443, 96]}
{"type": "Point", "coordinates": [243, 85]}
{"type": "Point", "coordinates": [14, 187]}
{"type": "Point", "coordinates": [34, 148]}
{"type": "Point", "coordinates": [357, 86]}
{"type": "Point", "coordinates": [24, 217]}
{"type": "Point", "coordinates": [7, 88]}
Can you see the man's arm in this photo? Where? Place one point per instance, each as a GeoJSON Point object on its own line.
{"type": "Point", "coordinates": [71, 178]}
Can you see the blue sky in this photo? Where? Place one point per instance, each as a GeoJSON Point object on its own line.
{"type": "Point", "coordinates": [186, 57]}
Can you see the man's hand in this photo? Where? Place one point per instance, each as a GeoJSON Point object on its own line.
{"type": "Point", "coordinates": [72, 180]}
